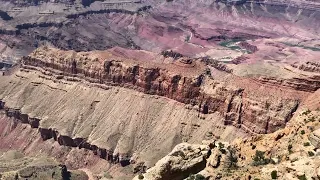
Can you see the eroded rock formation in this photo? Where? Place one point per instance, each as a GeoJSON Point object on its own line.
{"type": "Point", "coordinates": [183, 160]}
{"type": "Point", "coordinates": [252, 113]}
{"type": "Point", "coordinates": [280, 154]}
{"type": "Point", "coordinates": [63, 140]}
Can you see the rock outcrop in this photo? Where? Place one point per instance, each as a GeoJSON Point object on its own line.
{"type": "Point", "coordinates": [15, 165]}
{"type": "Point", "coordinates": [183, 160]}
{"type": "Point", "coordinates": [314, 138]}
{"type": "Point", "coordinates": [310, 84]}
{"type": "Point", "coordinates": [189, 88]}
{"type": "Point", "coordinates": [290, 153]}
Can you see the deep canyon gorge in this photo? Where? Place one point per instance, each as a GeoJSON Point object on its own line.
{"type": "Point", "coordinates": [160, 90]}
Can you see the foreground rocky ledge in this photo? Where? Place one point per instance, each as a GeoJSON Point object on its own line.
{"type": "Point", "coordinates": [183, 160]}
{"type": "Point", "coordinates": [279, 155]}
{"type": "Point", "coordinates": [15, 165]}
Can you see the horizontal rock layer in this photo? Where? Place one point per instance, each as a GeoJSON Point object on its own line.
{"type": "Point", "coordinates": [117, 119]}
{"type": "Point", "coordinates": [249, 112]}
{"type": "Point", "coordinates": [311, 84]}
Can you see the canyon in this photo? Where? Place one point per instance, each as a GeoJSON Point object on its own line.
{"type": "Point", "coordinates": [159, 90]}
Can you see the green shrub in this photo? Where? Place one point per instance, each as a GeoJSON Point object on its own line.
{"type": "Point", "coordinates": [303, 177]}
{"type": "Point", "coordinates": [310, 153]}
{"type": "Point", "coordinates": [312, 119]}
{"type": "Point", "coordinates": [221, 148]}
{"type": "Point", "coordinates": [253, 146]}
{"type": "Point", "coordinates": [274, 174]}
{"type": "Point", "coordinates": [290, 148]}
{"type": "Point", "coordinates": [220, 145]}
{"type": "Point", "coordinates": [195, 177]}
{"type": "Point", "coordinates": [259, 159]}
{"type": "Point", "coordinates": [232, 159]}
{"type": "Point", "coordinates": [223, 151]}
{"type": "Point", "coordinates": [302, 132]}
{"type": "Point", "coordinates": [306, 144]}
{"type": "Point", "coordinates": [306, 112]}
{"type": "Point", "coordinates": [199, 177]}
{"type": "Point", "coordinates": [140, 176]}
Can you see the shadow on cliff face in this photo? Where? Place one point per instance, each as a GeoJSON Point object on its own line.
{"type": "Point", "coordinates": [5, 16]}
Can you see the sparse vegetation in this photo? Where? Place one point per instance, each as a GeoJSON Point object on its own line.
{"type": "Point", "coordinates": [220, 145]}
{"type": "Point", "coordinates": [208, 72]}
{"type": "Point", "coordinates": [107, 175]}
{"type": "Point", "coordinates": [312, 119]}
{"type": "Point", "coordinates": [140, 176]}
{"type": "Point", "coordinates": [274, 174]}
{"type": "Point", "coordinates": [187, 39]}
{"type": "Point", "coordinates": [232, 158]}
{"type": "Point", "coordinates": [310, 153]}
{"type": "Point", "coordinates": [306, 112]}
{"type": "Point", "coordinates": [253, 146]}
{"type": "Point", "coordinates": [259, 159]}
{"type": "Point", "coordinates": [306, 144]}
{"type": "Point", "coordinates": [290, 148]}
{"type": "Point", "coordinates": [196, 177]}
{"type": "Point", "coordinates": [221, 148]}
{"type": "Point", "coordinates": [302, 177]}
{"type": "Point", "coordinates": [267, 105]}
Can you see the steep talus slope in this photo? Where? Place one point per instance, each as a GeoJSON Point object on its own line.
{"type": "Point", "coordinates": [17, 136]}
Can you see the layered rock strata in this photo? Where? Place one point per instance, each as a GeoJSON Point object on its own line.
{"type": "Point", "coordinates": [64, 140]}
{"type": "Point", "coordinates": [117, 124]}
{"type": "Point", "coordinates": [255, 114]}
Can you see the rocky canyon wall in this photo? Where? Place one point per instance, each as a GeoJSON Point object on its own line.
{"type": "Point", "coordinates": [255, 114]}
{"type": "Point", "coordinates": [115, 123]}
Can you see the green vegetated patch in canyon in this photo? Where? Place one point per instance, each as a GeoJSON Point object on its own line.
{"type": "Point", "coordinates": [232, 44]}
